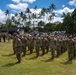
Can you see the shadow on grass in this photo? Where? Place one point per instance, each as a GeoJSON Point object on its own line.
{"type": "Point", "coordinates": [66, 62]}
{"type": "Point", "coordinates": [8, 55]}
{"type": "Point", "coordinates": [32, 58]}
{"type": "Point", "coordinates": [9, 64]}
{"type": "Point", "coordinates": [49, 60]}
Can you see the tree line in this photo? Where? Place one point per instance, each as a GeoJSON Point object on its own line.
{"type": "Point", "coordinates": [30, 21]}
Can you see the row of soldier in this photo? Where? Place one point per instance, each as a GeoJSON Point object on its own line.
{"type": "Point", "coordinates": [4, 37]}
{"type": "Point", "coordinates": [57, 45]}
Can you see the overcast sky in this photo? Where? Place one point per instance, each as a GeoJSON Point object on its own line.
{"type": "Point", "coordinates": [15, 6]}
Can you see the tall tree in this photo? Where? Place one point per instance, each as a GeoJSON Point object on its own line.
{"type": "Point", "coordinates": [68, 24]}
{"type": "Point", "coordinates": [7, 13]}
{"type": "Point", "coordinates": [52, 7]}
{"type": "Point", "coordinates": [34, 16]}
{"type": "Point", "coordinates": [28, 12]}
{"type": "Point", "coordinates": [42, 13]}
{"type": "Point", "coordinates": [41, 24]}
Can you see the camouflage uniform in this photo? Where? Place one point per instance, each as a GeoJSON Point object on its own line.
{"type": "Point", "coordinates": [18, 49]}
{"type": "Point", "coordinates": [65, 44]}
{"type": "Point", "coordinates": [31, 44]}
{"type": "Point", "coordinates": [43, 46]}
{"type": "Point", "coordinates": [46, 44]}
{"type": "Point", "coordinates": [70, 50]}
{"type": "Point", "coordinates": [58, 46]}
{"type": "Point", "coordinates": [24, 44]}
{"type": "Point", "coordinates": [38, 45]}
{"type": "Point", "coordinates": [14, 40]}
{"type": "Point", "coordinates": [52, 47]}
{"type": "Point", "coordinates": [62, 46]}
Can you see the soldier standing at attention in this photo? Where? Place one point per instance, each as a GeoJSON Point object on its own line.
{"type": "Point", "coordinates": [14, 40]}
{"type": "Point", "coordinates": [18, 49]}
{"type": "Point", "coordinates": [52, 47]}
{"type": "Point", "coordinates": [46, 44]}
{"type": "Point", "coordinates": [58, 46]}
{"type": "Point", "coordinates": [24, 44]}
{"type": "Point", "coordinates": [38, 45]}
{"type": "Point", "coordinates": [70, 49]}
{"type": "Point", "coordinates": [43, 45]}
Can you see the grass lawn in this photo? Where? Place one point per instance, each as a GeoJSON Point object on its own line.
{"type": "Point", "coordinates": [34, 66]}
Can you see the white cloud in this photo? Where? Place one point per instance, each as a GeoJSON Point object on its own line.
{"type": "Point", "coordinates": [60, 12]}
{"type": "Point", "coordinates": [57, 19]}
{"type": "Point", "coordinates": [17, 1]}
{"type": "Point", "coordinates": [65, 10]}
{"type": "Point", "coordinates": [19, 6]}
{"type": "Point", "coordinates": [37, 11]}
{"type": "Point", "coordinates": [29, 1]}
{"type": "Point", "coordinates": [72, 2]}
{"type": "Point", "coordinates": [3, 17]}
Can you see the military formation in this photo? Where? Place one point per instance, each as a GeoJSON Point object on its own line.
{"type": "Point", "coordinates": [56, 44]}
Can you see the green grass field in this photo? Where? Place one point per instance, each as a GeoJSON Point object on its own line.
{"type": "Point", "coordinates": [34, 66]}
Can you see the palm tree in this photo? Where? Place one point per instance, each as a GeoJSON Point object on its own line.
{"type": "Point", "coordinates": [13, 20]}
{"type": "Point", "coordinates": [35, 14]}
{"type": "Point", "coordinates": [42, 13]}
{"type": "Point", "coordinates": [21, 14]}
{"type": "Point", "coordinates": [28, 11]}
{"type": "Point", "coordinates": [24, 17]}
{"type": "Point", "coordinates": [7, 13]}
{"type": "Point", "coordinates": [21, 19]}
{"type": "Point", "coordinates": [52, 7]}
{"type": "Point", "coordinates": [41, 24]}
{"type": "Point", "coordinates": [16, 14]}
{"type": "Point", "coordinates": [51, 16]}
{"type": "Point", "coordinates": [7, 21]}
{"type": "Point", "coordinates": [33, 17]}
{"type": "Point", "coordinates": [35, 8]}
{"type": "Point", "coordinates": [17, 19]}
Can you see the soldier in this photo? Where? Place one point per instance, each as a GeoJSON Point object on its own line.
{"type": "Point", "coordinates": [70, 49]}
{"type": "Point", "coordinates": [18, 49]}
{"type": "Point", "coordinates": [46, 44]}
{"type": "Point", "coordinates": [65, 44]}
{"type": "Point", "coordinates": [58, 46]}
{"type": "Point", "coordinates": [30, 44]}
{"type": "Point", "coordinates": [14, 40]}
{"type": "Point", "coordinates": [24, 44]}
{"type": "Point", "coordinates": [37, 45]}
{"type": "Point", "coordinates": [52, 47]}
{"type": "Point", "coordinates": [43, 45]}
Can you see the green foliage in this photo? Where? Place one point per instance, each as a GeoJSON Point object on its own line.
{"type": "Point", "coordinates": [41, 24]}
{"type": "Point", "coordinates": [69, 22]}
{"type": "Point", "coordinates": [49, 27]}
